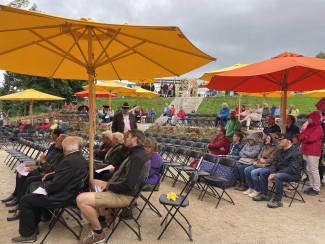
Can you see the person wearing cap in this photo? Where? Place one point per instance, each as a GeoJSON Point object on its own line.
{"type": "Point", "coordinates": [311, 139]}
{"type": "Point", "coordinates": [124, 121]}
{"type": "Point", "coordinates": [286, 166]}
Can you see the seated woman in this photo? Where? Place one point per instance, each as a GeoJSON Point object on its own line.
{"type": "Point", "coordinates": [291, 128]}
{"type": "Point", "coordinates": [247, 155]}
{"type": "Point", "coordinates": [255, 115]}
{"type": "Point", "coordinates": [223, 115]}
{"type": "Point", "coordinates": [264, 159]}
{"type": "Point", "coordinates": [99, 154]}
{"type": "Point", "coordinates": [236, 146]}
{"type": "Point", "coordinates": [151, 148]}
{"type": "Point", "coordinates": [54, 125]}
{"type": "Point", "coordinates": [112, 157]}
{"type": "Point", "coordinates": [45, 125]}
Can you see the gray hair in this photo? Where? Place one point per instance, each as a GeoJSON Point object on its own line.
{"type": "Point", "coordinates": [119, 136]}
{"type": "Point", "coordinates": [108, 134]}
{"type": "Point", "coordinates": [72, 143]}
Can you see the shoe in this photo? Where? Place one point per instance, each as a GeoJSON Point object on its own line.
{"type": "Point", "coordinates": [243, 187]}
{"type": "Point", "coordinates": [103, 224]}
{"type": "Point", "coordinates": [11, 203]}
{"type": "Point", "coordinates": [11, 197]}
{"type": "Point", "coordinates": [249, 191]}
{"type": "Point", "coordinates": [307, 191]}
{"type": "Point", "coordinates": [261, 197]}
{"type": "Point", "coordinates": [275, 204]}
{"type": "Point", "coordinates": [238, 185]}
{"type": "Point", "coordinates": [13, 210]}
{"type": "Point", "coordinates": [13, 217]}
{"type": "Point", "coordinates": [93, 238]}
{"type": "Point", "coordinates": [22, 239]}
{"type": "Point", "coordinates": [254, 194]}
{"type": "Point", "coordinates": [313, 193]}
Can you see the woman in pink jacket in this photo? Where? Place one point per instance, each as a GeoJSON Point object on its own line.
{"type": "Point", "coordinates": [311, 139]}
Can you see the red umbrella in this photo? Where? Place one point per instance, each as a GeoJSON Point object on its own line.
{"type": "Point", "coordinates": [285, 72]}
{"type": "Point", "coordinates": [98, 94]}
{"type": "Point", "coordinates": [321, 104]}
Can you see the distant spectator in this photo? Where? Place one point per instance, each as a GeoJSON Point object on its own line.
{"type": "Point", "coordinates": [220, 144]}
{"type": "Point", "coordinates": [173, 109]}
{"type": "Point", "coordinates": [169, 113]}
{"type": "Point", "coordinates": [273, 109]}
{"type": "Point", "coordinates": [237, 109]}
{"type": "Point", "coordinates": [28, 126]}
{"type": "Point", "coordinates": [62, 126]}
{"type": "Point", "coordinates": [65, 105]}
{"type": "Point", "coordinates": [180, 115]}
{"type": "Point", "coordinates": [277, 112]}
{"type": "Point", "coordinates": [165, 109]}
{"type": "Point", "coordinates": [272, 127]}
{"type": "Point", "coordinates": [296, 142]}
{"type": "Point", "coordinates": [54, 125]}
{"type": "Point", "coordinates": [293, 111]}
{"type": "Point", "coordinates": [49, 109]}
{"type": "Point", "coordinates": [124, 121]}
{"type": "Point", "coordinates": [21, 125]}
{"type": "Point", "coordinates": [45, 125]}
{"type": "Point", "coordinates": [266, 111]}
{"type": "Point", "coordinates": [255, 115]}
{"type": "Point", "coordinates": [38, 124]}
{"type": "Point", "coordinates": [232, 126]}
{"type": "Point", "coordinates": [152, 113]}
{"type": "Point", "coordinates": [99, 154]}
{"type": "Point", "coordinates": [291, 129]}
{"type": "Point", "coordinates": [223, 115]}
{"type": "Point", "coordinates": [246, 111]}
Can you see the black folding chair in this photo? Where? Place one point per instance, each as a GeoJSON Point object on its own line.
{"type": "Point", "coordinates": [178, 158]}
{"type": "Point", "coordinates": [173, 207]}
{"type": "Point", "coordinates": [213, 180]}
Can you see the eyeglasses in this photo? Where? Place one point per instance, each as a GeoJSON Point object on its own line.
{"type": "Point", "coordinates": [147, 147]}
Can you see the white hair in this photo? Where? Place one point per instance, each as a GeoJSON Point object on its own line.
{"type": "Point", "coordinates": [108, 134]}
{"type": "Point", "coordinates": [119, 136]}
{"type": "Point", "coordinates": [72, 143]}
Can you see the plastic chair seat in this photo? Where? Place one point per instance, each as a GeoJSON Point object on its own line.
{"type": "Point", "coordinates": [163, 199]}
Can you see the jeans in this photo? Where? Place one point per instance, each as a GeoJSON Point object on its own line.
{"type": "Point", "coordinates": [279, 178]}
{"type": "Point", "coordinates": [239, 171]}
{"type": "Point", "coordinates": [252, 177]}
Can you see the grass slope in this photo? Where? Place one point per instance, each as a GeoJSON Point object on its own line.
{"type": "Point", "coordinates": [213, 104]}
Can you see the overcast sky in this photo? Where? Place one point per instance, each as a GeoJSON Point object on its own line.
{"type": "Point", "coordinates": [233, 31]}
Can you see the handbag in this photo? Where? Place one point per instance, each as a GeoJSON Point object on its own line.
{"type": "Point", "coordinates": [248, 161]}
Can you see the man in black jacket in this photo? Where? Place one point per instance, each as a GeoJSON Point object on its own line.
{"type": "Point", "coordinates": [118, 191]}
{"type": "Point", "coordinates": [124, 121]}
{"type": "Point", "coordinates": [66, 181]}
{"type": "Point", "coordinates": [286, 166]}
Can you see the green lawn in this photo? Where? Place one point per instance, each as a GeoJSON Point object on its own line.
{"type": "Point", "coordinates": [213, 104]}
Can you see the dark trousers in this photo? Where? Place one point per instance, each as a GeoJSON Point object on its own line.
{"type": "Point", "coordinates": [20, 181]}
{"type": "Point", "coordinates": [221, 120]}
{"type": "Point", "coordinates": [31, 208]}
{"type": "Point", "coordinates": [279, 178]}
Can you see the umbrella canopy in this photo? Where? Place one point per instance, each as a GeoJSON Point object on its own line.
{"type": "Point", "coordinates": [140, 92]}
{"type": "Point", "coordinates": [39, 44]}
{"type": "Point", "coordinates": [267, 94]}
{"type": "Point", "coordinates": [30, 95]}
{"type": "Point", "coordinates": [98, 94]}
{"type": "Point", "coordinates": [285, 72]}
{"type": "Point", "coordinates": [317, 93]}
{"type": "Point", "coordinates": [146, 81]}
{"type": "Point", "coordinates": [208, 76]}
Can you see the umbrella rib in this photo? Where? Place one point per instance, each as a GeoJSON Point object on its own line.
{"type": "Point", "coordinates": [107, 45]}
{"type": "Point", "coordinates": [275, 80]}
{"type": "Point", "coordinates": [56, 47]}
{"type": "Point", "coordinates": [35, 27]}
{"type": "Point", "coordinates": [76, 41]}
{"type": "Point", "coordinates": [33, 42]}
{"type": "Point", "coordinates": [100, 43]}
{"type": "Point", "coordinates": [240, 83]}
{"type": "Point", "coordinates": [65, 56]}
{"type": "Point", "coordinates": [304, 76]}
{"type": "Point", "coordinates": [165, 46]}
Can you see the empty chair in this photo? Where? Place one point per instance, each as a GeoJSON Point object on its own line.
{"type": "Point", "coordinates": [165, 136]}
{"type": "Point", "coordinates": [174, 137]}
{"type": "Point", "coordinates": [194, 139]}
{"type": "Point", "coordinates": [184, 138]}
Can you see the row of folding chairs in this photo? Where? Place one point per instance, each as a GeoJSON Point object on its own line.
{"type": "Point", "coordinates": [24, 151]}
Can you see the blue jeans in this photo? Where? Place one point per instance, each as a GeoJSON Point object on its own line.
{"type": "Point", "coordinates": [252, 177]}
{"type": "Point", "coordinates": [279, 178]}
{"type": "Point", "coordinates": [239, 171]}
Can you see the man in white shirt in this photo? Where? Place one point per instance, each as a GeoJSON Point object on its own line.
{"type": "Point", "coordinates": [124, 121]}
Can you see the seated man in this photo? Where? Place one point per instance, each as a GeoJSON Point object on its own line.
{"type": "Point", "coordinates": [255, 115]}
{"type": "Point", "coordinates": [62, 126]}
{"type": "Point", "coordinates": [286, 166]}
{"type": "Point", "coordinates": [66, 181]}
{"type": "Point", "coordinates": [180, 115]}
{"type": "Point", "coordinates": [223, 115]}
{"type": "Point", "coordinates": [271, 128]}
{"type": "Point", "coordinates": [220, 144]}
{"type": "Point", "coordinates": [233, 125]}
{"type": "Point", "coordinates": [119, 191]}
{"type": "Point", "coordinates": [99, 154]}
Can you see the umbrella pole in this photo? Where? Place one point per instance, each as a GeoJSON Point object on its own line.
{"type": "Point", "coordinates": [138, 102]}
{"type": "Point", "coordinates": [263, 98]}
{"type": "Point", "coordinates": [31, 111]}
{"type": "Point", "coordinates": [239, 105]}
{"type": "Point", "coordinates": [110, 98]}
{"type": "Point", "coordinates": [284, 112]}
{"type": "Point", "coordinates": [91, 72]}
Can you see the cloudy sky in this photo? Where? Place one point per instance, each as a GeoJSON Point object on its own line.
{"type": "Point", "coordinates": [233, 31]}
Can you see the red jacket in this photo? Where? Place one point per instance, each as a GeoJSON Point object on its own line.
{"type": "Point", "coordinates": [217, 143]}
{"type": "Point", "coordinates": [45, 126]}
{"type": "Point", "coordinates": [312, 136]}
{"type": "Point", "coordinates": [181, 114]}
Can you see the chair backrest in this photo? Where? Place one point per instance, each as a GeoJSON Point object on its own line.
{"type": "Point", "coordinates": [161, 147]}
{"type": "Point", "coordinates": [205, 140]}
{"type": "Point", "coordinates": [189, 144]}
{"type": "Point", "coordinates": [194, 139]}
{"type": "Point", "coordinates": [167, 140]}
{"type": "Point", "coordinates": [159, 139]}
{"type": "Point", "coordinates": [178, 142]}
{"type": "Point", "coordinates": [155, 135]}
{"type": "Point", "coordinates": [183, 138]}
{"type": "Point", "coordinates": [194, 155]}
{"type": "Point", "coordinates": [200, 145]}
{"type": "Point", "coordinates": [174, 137]}
{"type": "Point", "coordinates": [193, 178]}
{"type": "Point", "coordinates": [228, 162]}
{"type": "Point", "coordinates": [165, 136]}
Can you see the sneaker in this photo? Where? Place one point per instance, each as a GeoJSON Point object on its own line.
{"type": "Point", "coordinates": [93, 238]}
{"type": "Point", "coordinates": [243, 187]}
{"type": "Point", "coordinates": [308, 190]}
{"type": "Point", "coordinates": [313, 193]}
{"type": "Point", "coordinates": [249, 191]}
{"type": "Point", "coordinates": [261, 197]}
{"type": "Point", "coordinates": [22, 239]}
{"type": "Point", "coordinates": [275, 204]}
{"type": "Point", "coordinates": [254, 194]}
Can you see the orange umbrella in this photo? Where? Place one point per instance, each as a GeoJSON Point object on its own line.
{"type": "Point", "coordinates": [285, 72]}
{"type": "Point", "coordinates": [98, 94]}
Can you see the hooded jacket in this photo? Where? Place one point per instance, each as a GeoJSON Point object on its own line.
{"type": "Point", "coordinates": [224, 112]}
{"type": "Point", "coordinates": [312, 136]}
{"type": "Point", "coordinates": [250, 151]}
{"type": "Point", "coordinates": [268, 152]}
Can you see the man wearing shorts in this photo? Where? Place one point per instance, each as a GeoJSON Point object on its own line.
{"type": "Point", "coordinates": [119, 191]}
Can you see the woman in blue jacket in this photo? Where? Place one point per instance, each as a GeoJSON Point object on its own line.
{"type": "Point", "coordinates": [223, 115]}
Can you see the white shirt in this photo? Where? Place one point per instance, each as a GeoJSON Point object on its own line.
{"type": "Point", "coordinates": [126, 122]}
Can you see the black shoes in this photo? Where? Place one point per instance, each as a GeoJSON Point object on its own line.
{"type": "Point", "coordinates": [11, 197]}
{"type": "Point", "coordinates": [13, 210]}
{"type": "Point", "coordinates": [11, 203]}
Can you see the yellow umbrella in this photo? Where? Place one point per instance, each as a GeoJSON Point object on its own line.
{"type": "Point", "coordinates": [30, 95]}
{"type": "Point", "coordinates": [144, 81]}
{"type": "Point", "coordinates": [110, 87]}
{"type": "Point", "coordinates": [316, 93]}
{"type": "Point", "coordinates": [208, 76]}
{"type": "Point", "coordinates": [140, 92]}
{"type": "Point", "coordinates": [45, 45]}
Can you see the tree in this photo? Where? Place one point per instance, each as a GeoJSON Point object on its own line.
{"type": "Point", "coordinates": [320, 55]}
